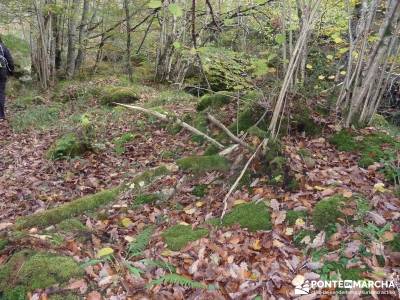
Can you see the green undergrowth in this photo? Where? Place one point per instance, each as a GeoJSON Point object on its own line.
{"type": "Point", "coordinates": [178, 236]}
{"type": "Point", "coordinates": [200, 122]}
{"type": "Point", "coordinates": [199, 190]}
{"type": "Point", "coordinates": [394, 245]}
{"type": "Point", "coordinates": [169, 96]}
{"type": "Point", "coordinates": [68, 210]}
{"type": "Point", "coordinates": [39, 117]}
{"type": "Point", "coordinates": [28, 270]}
{"type": "Point", "coordinates": [72, 225]}
{"type": "Point", "coordinates": [327, 212]}
{"type": "Point", "coordinates": [214, 100]}
{"type": "Point", "coordinates": [120, 142]}
{"type": "Point", "coordinates": [203, 164]}
{"type": "Point", "coordinates": [293, 215]}
{"type": "Point", "coordinates": [252, 216]}
{"type": "Point", "coordinates": [69, 145]}
{"type": "Point", "coordinates": [146, 199]}
{"type": "Point", "coordinates": [299, 237]}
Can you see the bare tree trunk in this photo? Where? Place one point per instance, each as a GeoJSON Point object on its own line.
{"type": "Point", "coordinates": [82, 36]}
{"type": "Point", "coordinates": [70, 67]}
{"type": "Point", "coordinates": [128, 41]}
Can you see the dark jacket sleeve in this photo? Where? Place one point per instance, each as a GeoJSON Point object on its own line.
{"type": "Point", "coordinates": [7, 55]}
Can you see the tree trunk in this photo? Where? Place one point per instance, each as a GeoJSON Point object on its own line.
{"type": "Point", "coordinates": [128, 41]}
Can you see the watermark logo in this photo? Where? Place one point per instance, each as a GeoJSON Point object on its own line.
{"type": "Point", "coordinates": [302, 289]}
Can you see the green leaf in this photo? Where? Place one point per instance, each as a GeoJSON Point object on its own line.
{"type": "Point", "coordinates": [133, 270]}
{"type": "Point", "coordinates": [177, 45]}
{"type": "Point", "coordinates": [280, 38]}
{"type": "Point", "coordinates": [105, 252]}
{"type": "Point", "coordinates": [154, 4]}
{"type": "Point", "coordinates": [175, 10]}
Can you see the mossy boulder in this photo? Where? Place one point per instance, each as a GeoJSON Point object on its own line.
{"type": "Point", "coordinates": [178, 236]}
{"type": "Point", "coordinates": [214, 100]}
{"type": "Point", "coordinates": [203, 164]}
{"type": "Point", "coordinates": [327, 212]}
{"type": "Point", "coordinates": [68, 210]}
{"type": "Point", "coordinates": [68, 146]}
{"type": "Point", "coordinates": [28, 270]}
{"type": "Point", "coordinates": [253, 216]}
{"type": "Point", "coordinates": [119, 94]}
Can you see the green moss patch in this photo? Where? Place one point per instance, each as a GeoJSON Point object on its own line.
{"type": "Point", "coordinates": [179, 236]}
{"type": "Point", "coordinates": [344, 141]}
{"type": "Point", "coordinates": [327, 212]}
{"type": "Point", "coordinates": [146, 199]}
{"type": "Point", "coordinates": [299, 237]}
{"type": "Point", "coordinates": [120, 94]}
{"type": "Point", "coordinates": [199, 190]}
{"type": "Point", "coordinates": [214, 100]}
{"type": "Point", "coordinates": [305, 123]}
{"type": "Point", "coordinates": [68, 210]}
{"type": "Point", "coordinates": [28, 270]}
{"type": "Point", "coordinates": [395, 243]}
{"type": "Point", "coordinates": [3, 244]}
{"type": "Point", "coordinates": [68, 146]}
{"type": "Point", "coordinates": [258, 132]}
{"type": "Point", "coordinates": [203, 164]}
{"type": "Point", "coordinates": [200, 122]}
{"type": "Point", "coordinates": [293, 215]}
{"type": "Point", "coordinates": [252, 216]}
{"type": "Point", "coordinates": [120, 142]}
{"type": "Point", "coordinates": [72, 225]}
{"type": "Point", "coordinates": [146, 177]}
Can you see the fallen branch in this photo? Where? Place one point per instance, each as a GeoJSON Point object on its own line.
{"type": "Point", "coordinates": [232, 189]}
{"type": "Point", "coordinates": [228, 132]}
{"type": "Point", "coordinates": [174, 119]}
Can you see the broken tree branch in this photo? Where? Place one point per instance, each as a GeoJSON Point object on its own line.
{"type": "Point", "coordinates": [228, 132]}
{"type": "Point", "coordinates": [173, 119]}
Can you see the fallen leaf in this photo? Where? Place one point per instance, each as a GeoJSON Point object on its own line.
{"type": "Point", "coordinates": [379, 187]}
{"type": "Point", "coordinates": [319, 240]}
{"type": "Point", "coordinates": [105, 251]}
{"type": "Point", "coordinates": [289, 231]}
{"type": "Point", "coordinates": [256, 245]}
{"type": "Point", "coordinates": [126, 222]}
{"type": "Point", "coordinates": [300, 222]}
{"type": "Point", "coordinates": [94, 296]}
{"type": "Point", "coordinates": [298, 280]}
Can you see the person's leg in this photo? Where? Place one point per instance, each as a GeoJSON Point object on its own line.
{"type": "Point", "coordinates": [2, 98]}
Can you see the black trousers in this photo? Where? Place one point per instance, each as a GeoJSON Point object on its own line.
{"type": "Point", "coordinates": [2, 97]}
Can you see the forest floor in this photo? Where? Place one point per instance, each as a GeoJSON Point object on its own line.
{"type": "Point", "coordinates": [262, 259]}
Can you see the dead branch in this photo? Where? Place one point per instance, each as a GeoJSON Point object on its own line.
{"type": "Point", "coordinates": [173, 119]}
{"type": "Point", "coordinates": [228, 132]}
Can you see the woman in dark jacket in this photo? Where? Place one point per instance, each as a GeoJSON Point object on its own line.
{"type": "Point", "coordinates": [6, 69]}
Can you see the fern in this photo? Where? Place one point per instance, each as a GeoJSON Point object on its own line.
{"type": "Point", "coordinates": [142, 240]}
{"type": "Point", "coordinates": [133, 270]}
{"type": "Point", "coordinates": [179, 280]}
{"type": "Point", "coordinates": [160, 264]}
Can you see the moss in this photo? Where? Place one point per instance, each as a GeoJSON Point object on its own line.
{"type": "Point", "coordinates": [344, 141]}
{"type": "Point", "coordinates": [199, 190]}
{"type": "Point", "coordinates": [256, 131]}
{"type": "Point", "coordinates": [203, 164]}
{"type": "Point", "coordinates": [28, 270]}
{"type": "Point", "coordinates": [72, 225]}
{"type": "Point", "coordinates": [211, 150]}
{"type": "Point", "coordinates": [298, 238]}
{"type": "Point", "coordinates": [379, 121]}
{"type": "Point", "coordinates": [395, 243]}
{"type": "Point", "coordinates": [277, 170]}
{"type": "Point", "coordinates": [179, 236]}
{"type": "Point", "coordinates": [3, 244]}
{"type": "Point", "coordinates": [144, 178]}
{"type": "Point", "coordinates": [305, 123]}
{"type": "Point", "coordinates": [245, 120]}
{"type": "Point", "coordinates": [291, 183]}
{"type": "Point", "coordinates": [68, 146]}
{"type": "Point", "coordinates": [120, 142]}
{"type": "Point", "coordinates": [327, 212]}
{"type": "Point", "coordinates": [253, 216]}
{"type": "Point", "coordinates": [68, 210]}
{"type": "Point", "coordinates": [67, 296]}
{"type": "Point", "coordinates": [200, 122]}
{"type": "Point", "coordinates": [303, 152]}
{"type": "Point", "coordinates": [293, 215]}
{"type": "Point", "coordinates": [146, 199]}
{"type": "Point", "coordinates": [119, 94]}
{"type": "Point", "coordinates": [214, 100]}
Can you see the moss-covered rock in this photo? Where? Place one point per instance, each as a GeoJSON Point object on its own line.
{"type": "Point", "coordinates": [253, 216]}
{"type": "Point", "coordinates": [327, 212]}
{"type": "Point", "coordinates": [119, 94]}
{"type": "Point", "coordinates": [28, 270]}
{"type": "Point", "coordinates": [293, 215]}
{"type": "Point", "coordinates": [68, 210]}
{"type": "Point", "coordinates": [179, 236]}
{"type": "Point", "coordinates": [203, 164]}
{"type": "Point", "coordinates": [120, 142]}
{"type": "Point", "coordinates": [214, 100]}
{"type": "Point", "coordinates": [146, 199]}
{"type": "Point", "coordinates": [68, 146]}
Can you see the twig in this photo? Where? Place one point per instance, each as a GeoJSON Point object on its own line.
{"type": "Point", "coordinates": [176, 120]}
{"type": "Point", "coordinates": [232, 189]}
{"type": "Point", "coordinates": [228, 132]}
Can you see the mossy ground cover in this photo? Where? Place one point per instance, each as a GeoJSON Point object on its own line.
{"type": "Point", "coordinates": [68, 210]}
{"type": "Point", "coordinates": [68, 146]}
{"type": "Point", "coordinates": [253, 216]}
{"type": "Point", "coordinates": [120, 94]}
{"type": "Point", "coordinates": [72, 225]}
{"type": "Point", "coordinates": [28, 270]}
{"type": "Point", "coordinates": [178, 236]}
{"type": "Point", "coordinates": [214, 100]}
{"type": "Point", "coordinates": [122, 141]}
{"type": "Point", "coordinates": [293, 215]}
{"type": "Point", "coordinates": [203, 164]}
{"type": "Point", "coordinates": [327, 212]}
{"type": "Point", "coordinates": [146, 199]}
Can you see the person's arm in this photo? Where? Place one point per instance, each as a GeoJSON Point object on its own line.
{"type": "Point", "coordinates": [8, 56]}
